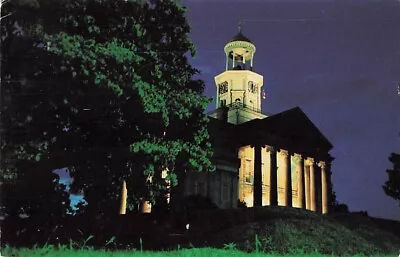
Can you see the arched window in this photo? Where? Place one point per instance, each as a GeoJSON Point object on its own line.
{"type": "Point", "coordinates": [222, 102]}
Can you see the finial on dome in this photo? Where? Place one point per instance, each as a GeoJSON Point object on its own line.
{"type": "Point", "coordinates": [239, 36]}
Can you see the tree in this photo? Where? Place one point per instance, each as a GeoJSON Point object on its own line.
{"type": "Point", "coordinates": [109, 95]}
{"type": "Point", "coordinates": [336, 206]}
{"type": "Point", "coordinates": [392, 185]}
{"type": "Point", "coordinates": [29, 188]}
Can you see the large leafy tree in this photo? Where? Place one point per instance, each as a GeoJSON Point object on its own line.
{"type": "Point", "coordinates": [28, 186]}
{"type": "Point", "coordinates": [392, 185]}
{"type": "Point", "coordinates": [105, 89]}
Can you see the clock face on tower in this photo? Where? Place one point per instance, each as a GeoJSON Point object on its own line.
{"type": "Point", "coordinates": [252, 87]}
{"type": "Point", "coordinates": [223, 87]}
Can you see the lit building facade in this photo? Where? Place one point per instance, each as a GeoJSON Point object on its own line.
{"type": "Point", "coordinates": [282, 159]}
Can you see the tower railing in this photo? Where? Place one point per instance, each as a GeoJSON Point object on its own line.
{"type": "Point", "coordinates": [241, 66]}
{"type": "Point", "coordinates": [238, 105]}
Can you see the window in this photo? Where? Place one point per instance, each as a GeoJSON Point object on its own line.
{"type": "Point", "coordinates": [223, 102]}
{"type": "Point", "coordinates": [223, 87]}
{"type": "Point", "coordinates": [237, 102]}
{"type": "Point", "coordinates": [248, 172]}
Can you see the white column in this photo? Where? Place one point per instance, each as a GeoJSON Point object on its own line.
{"type": "Point", "coordinates": [286, 178]}
{"type": "Point", "coordinates": [312, 185]}
{"type": "Point", "coordinates": [124, 194]}
{"type": "Point", "coordinates": [227, 61]}
{"type": "Point", "coordinates": [217, 101]}
{"type": "Point", "coordinates": [307, 188]}
{"type": "Point", "coordinates": [301, 190]}
{"type": "Point", "coordinates": [273, 177]}
{"type": "Point", "coordinates": [241, 180]}
{"type": "Point", "coordinates": [324, 186]}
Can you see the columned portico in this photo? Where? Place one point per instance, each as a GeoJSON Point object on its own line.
{"type": "Point", "coordinates": [259, 172]}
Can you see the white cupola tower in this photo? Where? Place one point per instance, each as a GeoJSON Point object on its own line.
{"type": "Point", "coordinates": [238, 87]}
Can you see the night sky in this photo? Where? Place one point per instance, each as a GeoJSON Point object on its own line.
{"type": "Point", "coordinates": [339, 61]}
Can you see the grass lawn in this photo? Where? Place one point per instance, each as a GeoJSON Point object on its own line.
{"type": "Point", "coordinates": [195, 252]}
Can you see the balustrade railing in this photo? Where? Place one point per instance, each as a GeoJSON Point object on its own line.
{"type": "Point", "coordinates": [241, 105]}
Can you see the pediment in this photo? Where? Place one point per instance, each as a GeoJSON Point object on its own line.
{"type": "Point", "coordinates": [292, 126]}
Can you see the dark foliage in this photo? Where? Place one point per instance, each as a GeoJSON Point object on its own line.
{"type": "Point", "coordinates": [392, 185]}
{"type": "Point", "coordinates": [104, 89]}
{"type": "Point", "coordinates": [336, 206]}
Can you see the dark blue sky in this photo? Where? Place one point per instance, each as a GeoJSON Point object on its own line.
{"type": "Point", "coordinates": [337, 60]}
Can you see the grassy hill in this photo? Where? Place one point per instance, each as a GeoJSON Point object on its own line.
{"type": "Point", "coordinates": [283, 230]}
{"type": "Point", "coordinates": [276, 230]}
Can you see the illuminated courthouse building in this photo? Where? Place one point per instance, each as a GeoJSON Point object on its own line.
{"type": "Point", "coordinates": [282, 159]}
